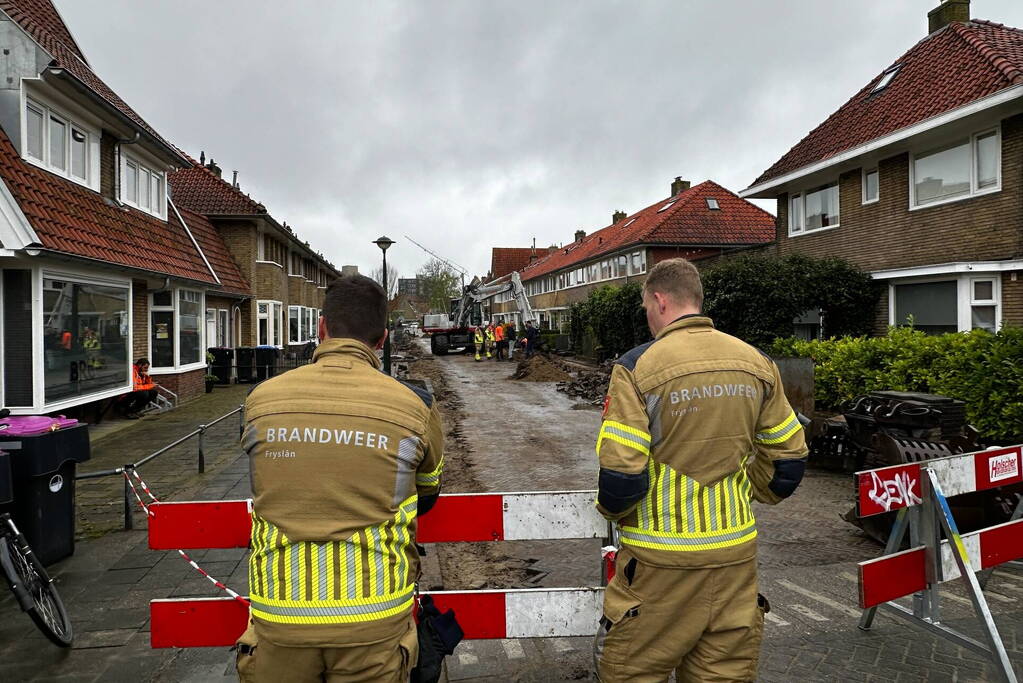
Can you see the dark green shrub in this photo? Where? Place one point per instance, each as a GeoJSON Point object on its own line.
{"type": "Point", "coordinates": [756, 297]}
{"type": "Point", "coordinates": [613, 317]}
{"type": "Point", "coordinates": [985, 370]}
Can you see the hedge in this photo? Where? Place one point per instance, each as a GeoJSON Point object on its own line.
{"type": "Point", "coordinates": [982, 369]}
{"type": "Point", "coordinates": [613, 317]}
{"type": "Point", "coordinates": [755, 297]}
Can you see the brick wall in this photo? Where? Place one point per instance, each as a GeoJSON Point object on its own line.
{"type": "Point", "coordinates": [886, 234]}
{"type": "Point", "coordinates": [139, 319]}
{"type": "Point", "coordinates": [1012, 299]}
{"type": "Point", "coordinates": [106, 165]}
{"type": "Point", "coordinates": [296, 290]}
{"type": "Point", "coordinates": [187, 385]}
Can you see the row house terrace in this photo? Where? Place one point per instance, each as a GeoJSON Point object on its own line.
{"type": "Point", "coordinates": [100, 263]}
{"type": "Point", "coordinates": [700, 223]}
{"type": "Point", "coordinates": [287, 277]}
{"type": "Point", "coordinates": [918, 179]}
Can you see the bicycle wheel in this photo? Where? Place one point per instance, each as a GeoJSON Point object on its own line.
{"type": "Point", "coordinates": [34, 589]}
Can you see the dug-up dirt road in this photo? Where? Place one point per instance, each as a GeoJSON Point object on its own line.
{"type": "Point", "coordinates": [507, 435]}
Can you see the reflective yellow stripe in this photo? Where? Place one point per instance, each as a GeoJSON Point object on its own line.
{"type": "Point", "coordinates": [430, 478]}
{"type": "Point", "coordinates": [780, 432]}
{"type": "Point", "coordinates": [626, 428]}
{"type": "Point", "coordinates": [692, 516]}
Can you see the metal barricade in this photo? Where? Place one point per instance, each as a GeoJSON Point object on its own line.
{"type": "Point", "coordinates": [495, 613]}
{"type": "Point", "coordinates": [919, 492]}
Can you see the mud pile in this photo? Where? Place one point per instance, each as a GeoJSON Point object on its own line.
{"type": "Point", "coordinates": [539, 369]}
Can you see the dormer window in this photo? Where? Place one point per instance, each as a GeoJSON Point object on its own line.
{"type": "Point", "coordinates": [60, 144]}
{"type": "Point", "coordinates": [143, 187]}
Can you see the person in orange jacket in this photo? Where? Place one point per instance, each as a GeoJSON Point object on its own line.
{"type": "Point", "coordinates": [502, 345]}
{"type": "Point", "coordinates": [144, 388]}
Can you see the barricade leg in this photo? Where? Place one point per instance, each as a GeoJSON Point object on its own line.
{"type": "Point", "coordinates": [895, 537]}
{"type": "Point", "coordinates": [995, 646]}
{"type": "Point", "coordinates": [985, 576]}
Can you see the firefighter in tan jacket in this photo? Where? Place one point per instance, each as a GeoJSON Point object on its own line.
{"type": "Point", "coordinates": [695, 426]}
{"type": "Point", "coordinates": [342, 458]}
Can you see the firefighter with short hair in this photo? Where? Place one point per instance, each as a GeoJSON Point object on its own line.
{"type": "Point", "coordinates": [343, 458]}
{"type": "Point", "coordinates": [695, 426]}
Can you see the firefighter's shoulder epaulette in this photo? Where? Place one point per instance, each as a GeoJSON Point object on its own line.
{"type": "Point", "coordinates": [631, 357]}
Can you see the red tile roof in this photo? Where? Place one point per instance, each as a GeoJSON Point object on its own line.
{"type": "Point", "coordinates": [687, 222]}
{"type": "Point", "coordinates": [40, 19]}
{"type": "Point", "coordinates": [217, 253]}
{"type": "Point", "coordinates": [199, 189]}
{"type": "Point", "coordinates": [950, 68]}
{"type": "Point", "coordinates": [75, 220]}
{"type": "Point", "coordinates": [504, 260]}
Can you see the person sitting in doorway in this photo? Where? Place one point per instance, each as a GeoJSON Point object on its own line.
{"type": "Point", "coordinates": [144, 389]}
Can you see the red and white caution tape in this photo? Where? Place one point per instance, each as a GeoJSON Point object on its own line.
{"type": "Point", "coordinates": [148, 509]}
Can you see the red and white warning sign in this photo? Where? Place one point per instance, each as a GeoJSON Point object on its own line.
{"type": "Point", "coordinates": [892, 488]}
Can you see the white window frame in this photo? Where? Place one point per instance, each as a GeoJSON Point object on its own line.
{"type": "Point", "coordinates": [144, 168]}
{"type": "Point", "coordinates": [176, 308]}
{"type": "Point", "coordinates": [274, 321]}
{"type": "Point", "coordinates": [863, 185]}
{"type": "Point", "coordinates": [975, 191]}
{"type": "Point", "coordinates": [39, 274]}
{"type": "Point", "coordinates": [964, 296]}
{"type": "Point", "coordinates": [223, 328]}
{"type": "Point", "coordinates": [800, 196]}
{"type": "Point", "coordinates": [92, 141]}
{"type": "Point", "coordinates": [300, 319]}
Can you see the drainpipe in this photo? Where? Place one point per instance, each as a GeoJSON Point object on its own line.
{"type": "Point", "coordinates": [117, 162]}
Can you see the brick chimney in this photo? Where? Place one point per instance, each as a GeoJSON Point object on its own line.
{"type": "Point", "coordinates": [617, 216]}
{"type": "Point", "coordinates": [551, 249]}
{"type": "Point", "coordinates": [947, 12]}
{"type": "Point", "coordinates": [212, 166]}
{"type": "Point", "coordinates": [678, 186]}
{"type": "Point", "coordinates": [579, 235]}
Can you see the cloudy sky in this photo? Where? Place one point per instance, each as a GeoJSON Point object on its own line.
{"type": "Point", "coordinates": [469, 124]}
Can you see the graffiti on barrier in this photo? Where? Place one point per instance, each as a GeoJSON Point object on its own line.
{"type": "Point", "coordinates": [897, 491]}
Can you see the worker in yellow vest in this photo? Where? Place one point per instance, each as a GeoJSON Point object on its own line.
{"type": "Point", "coordinates": [695, 426]}
{"type": "Point", "coordinates": [479, 338]}
{"type": "Point", "coordinates": [343, 458]}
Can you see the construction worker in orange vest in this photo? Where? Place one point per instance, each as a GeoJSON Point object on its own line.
{"type": "Point", "coordinates": [695, 426]}
{"type": "Point", "coordinates": [499, 341]}
{"type": "Point", "coordinates": [343, 459]}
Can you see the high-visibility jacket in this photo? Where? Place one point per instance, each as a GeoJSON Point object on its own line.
{"type": "Point", "coordinates": [490, 334]}
{"type": "Point", "coordinates": [479, 336]}
{"type": "Point", "coordinates": [140, 381]}
{"type": "Point", "coordinates": [342, 459]}
{"type": "Point", "coordinates": [695, 425]}
{"type": "Point", "coordinates": [499, 332]}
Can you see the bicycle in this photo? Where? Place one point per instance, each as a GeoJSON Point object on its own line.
{"type": "Point", "coordinates": [30, 583]}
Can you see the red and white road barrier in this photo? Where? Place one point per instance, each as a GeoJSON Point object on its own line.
{"type": "Point", "coordinates": [899, 486]}
{"type": "Point", "coordinates": [484, 614]}
{"type": "Point", "coordinates": [456, 517]}
{"type": "Point", "coordinates": [528, 613]}
{"type": "Point", "coordinates": [920, 493]}
{"type": "Point", "coordinates": [893, 576]}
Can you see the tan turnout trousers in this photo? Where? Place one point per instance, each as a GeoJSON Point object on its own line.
{"type": "Point", "coordinates": [704, 624]}
{"type": "Point", "coordinates": [389, 661]}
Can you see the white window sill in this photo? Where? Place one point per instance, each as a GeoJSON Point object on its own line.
{"type": "Point", "coordinates": [178, 370]}
{"type": "Point", "coordinates": [271, 263]}
{"type": "Point", "coordinates": [870, 201]}
{"type": "Point", "coordinates": [60, 174]}
{"type": "Point", "coordinates": [148, 212]}
{"type": "Point", "coordinates": [960, 198]}
{"type": "Point", "coordinates": [289, 274]}
{"type": "Point", "coordinates": [76, 401]}
{"type": "Point", "coordinates": [814, 231]}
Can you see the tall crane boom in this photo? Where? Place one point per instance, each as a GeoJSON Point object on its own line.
{"type": "Point", "coordinates": [454, 266]}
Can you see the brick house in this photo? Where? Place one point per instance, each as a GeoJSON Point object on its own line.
{"type": "Point", "coordinates": [98, 266]}
{"type": "Point", "coordinates": [700, 223]}
{"type": "Point", "coordinates": [287, 276]}
{"type": "Point", "coordinates": [918, 178]}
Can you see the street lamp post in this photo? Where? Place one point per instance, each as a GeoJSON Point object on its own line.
{"type": "Point", "coordinates": [384, 243]}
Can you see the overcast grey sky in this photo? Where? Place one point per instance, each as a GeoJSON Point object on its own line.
{"type": "Point", "coordinates": [470, 124]}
